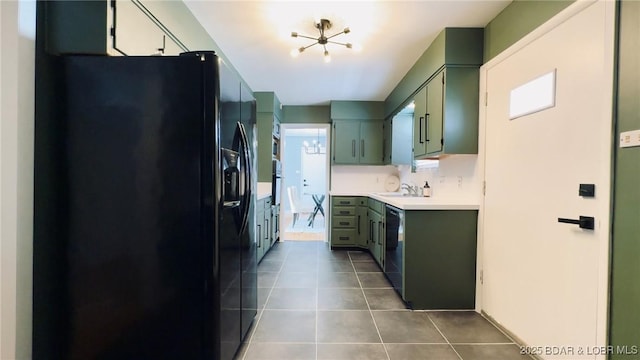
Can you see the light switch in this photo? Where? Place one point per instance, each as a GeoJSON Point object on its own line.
{"type": "Point", "coordinates": [630, 138]}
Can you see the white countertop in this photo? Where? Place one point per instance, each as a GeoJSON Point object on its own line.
{"type": "Point", "coordinates": [416, 203]}
{"type": "Point", "coordinates": [264, 190]}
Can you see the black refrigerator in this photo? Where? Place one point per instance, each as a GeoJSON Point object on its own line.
{"type": "Point", "coordinates": [154, 256]}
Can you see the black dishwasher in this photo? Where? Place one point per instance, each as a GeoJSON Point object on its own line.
{"type": "Point", "coordinates": [394, 236]}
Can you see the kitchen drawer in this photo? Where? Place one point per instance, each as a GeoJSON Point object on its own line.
{"type": "Point", "coordinates": [343, 221]}
{"type": "Point", "coordinates": [344, 201]}
{"type": "Point", "coordinates": [343, 237]}
{"type": "Point", "coordinates": [344, 211]}
{"type": "Point", "coordinates": [376, 206]}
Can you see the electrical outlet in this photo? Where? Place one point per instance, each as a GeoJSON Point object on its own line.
{"type": "Point", "coordinates": [630, 138]}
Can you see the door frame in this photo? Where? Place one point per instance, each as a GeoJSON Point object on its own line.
{"type": "Point", "coordinates": [327, 127]}
{"type": "Point", "coordinates": [604, 255]}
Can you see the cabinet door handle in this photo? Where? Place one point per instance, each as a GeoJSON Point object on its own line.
{"type": "Point", "coordinates": [379, 233]}
{"type": "Point", "coordinates": [426, 127]}
{"type": "Point", "coordinates": [362, 148]}
{"type": "Point", "coordinates": [266, 227]}
{"type": "Point", "coordinates": [344, 212]}
{"type": "Point", "coordinates": [344, 223]}
{"type": "Point", "coordinates": [259, 236]}
{"type": "Point", "coordinates": [353, 148]}
{"type": "Point", "coordinates": [370, 230]}
{"type": "Point", "coordinates": [420, 132]}
{"type": "Point", "coordinates": [358, 224]}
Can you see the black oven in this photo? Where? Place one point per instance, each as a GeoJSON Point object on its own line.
{"type": "Point", "coordinates": [276, 183]}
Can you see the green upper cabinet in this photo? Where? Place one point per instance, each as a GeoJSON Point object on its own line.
{"type": "Point", "coordinates": [387, 140]}
{"type": "Point", "coordinates": [137, 32]}
{"type": "Point", "coordinates": [122, 27]}
{"type": "Point", "coordinates": [358, 133]}
{"type": "Point", "coordinates": [358, 142]}
{"type": "Point", "coordinates": [419, 123]}
{"type": "Point", "coordinates": [269, 113]}
{"type": "Point", "coordinates": [345, 139]}
{"type": "Point", "coordinates": [434, 116]}
{"type": "Point", "coordinates": [371, 142]}
{"type": "Point", "coordinates": [446, 113]}
{"type": "Point", "coordinates": [451, 116]}
{"type": "Point", "coordinates": [444, 85]}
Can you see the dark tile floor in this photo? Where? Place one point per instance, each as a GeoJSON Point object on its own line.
{"type": "Point", "coordinates": [315, 303]}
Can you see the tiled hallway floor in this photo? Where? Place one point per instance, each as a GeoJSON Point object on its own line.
{"type": "Point", "coordinates": [315, 303]}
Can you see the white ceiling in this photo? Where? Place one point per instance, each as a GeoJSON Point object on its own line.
{"type": "Point", "coordinates": [256, 37]}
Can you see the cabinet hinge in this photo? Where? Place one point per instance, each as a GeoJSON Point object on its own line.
{"type": "Point", "coordinates": [113, 3]}
{"type": "Point", "coordinates": [481, 277]}
{"type": "Point", "coordinates": [443, 78]}
{"type": "Point", "coordinates": [112, 31]}
{"type": "Point", "coordinates": [484, 188]}
{"type": "Point", "coordinates": [486, 99]}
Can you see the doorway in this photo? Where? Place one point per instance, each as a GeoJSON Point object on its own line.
{"type": "Point", "coordinates": [305, 185]}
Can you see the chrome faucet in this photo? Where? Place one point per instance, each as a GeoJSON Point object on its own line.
{"type": "Point", "coordinates": [411, 189]}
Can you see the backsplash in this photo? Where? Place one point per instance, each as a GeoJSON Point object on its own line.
{"type": "Point", "coordinates": [457, 176]}
{"type": "Point", "coordinates": [360, 178]}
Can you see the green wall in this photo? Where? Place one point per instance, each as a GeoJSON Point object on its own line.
{"type": "Point", "coordinates": [304, 114]}
{"type": "Point", "coordinates": [517, 20]}
{"type": "Point", "coordinates": [625, 267]}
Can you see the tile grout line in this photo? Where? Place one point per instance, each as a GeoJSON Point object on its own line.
{"type": "Point", "coordinates": [444, 337]}
{"type": "Point", "coordinates": [369, 307]}
{"type": "Point", "coordinates": [266, 301]}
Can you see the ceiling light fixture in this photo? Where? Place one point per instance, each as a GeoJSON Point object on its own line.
{"type": "Point", "coordinates": [322, 26]}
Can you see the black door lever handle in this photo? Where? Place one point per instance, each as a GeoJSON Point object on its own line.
{"type": "Point", "coordinates": [585, 222]}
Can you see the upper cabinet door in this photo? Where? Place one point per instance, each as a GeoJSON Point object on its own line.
{"type": "Point", "coordinates": [370, 146]}
{"type": "Point", "coordinates": [134, 32]}
{"type": "Point", "coordinates": [346, 142]}
{"type": "Point", "coordinates": [420, 123]}
{"type": "Point", "coordinates": [434, 116]}
{"type": "Point", "coordinates": [138, 32]}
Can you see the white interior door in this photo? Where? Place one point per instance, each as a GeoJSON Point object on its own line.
{"type": "Point", "coordinates": [546, 281]}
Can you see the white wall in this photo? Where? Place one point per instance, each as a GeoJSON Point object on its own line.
{"type": "Point", "coordinates": [17, 69]}
{"type": "Point", "coordinates": [360, 179]}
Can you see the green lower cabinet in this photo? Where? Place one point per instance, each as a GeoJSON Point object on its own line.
{"type": "Point", "coordinates": [440, 259]}
{"type": "Point", "coordinates": [260, 229]}
{"type": "Point", "coordinates": [348, 222]}
{"type": "Point", "coordinates": [343, 220]}
{"type": "Point", "coordinates": [362, 230]}
{"type": "Point", "coordinates": [275, 225]}
{"type": "Point", "coordinates": [264, 227]}
{"type": "Point", "coordinates": [376, 244]}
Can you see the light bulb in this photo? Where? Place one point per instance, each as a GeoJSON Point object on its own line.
{"type": "Point", "coordinates": [327, 57]}
{"type": "Point", "coordinates": [294, 53]}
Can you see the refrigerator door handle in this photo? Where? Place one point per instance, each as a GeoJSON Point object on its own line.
{"type": "Point", "coordinates": [246, 156]}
